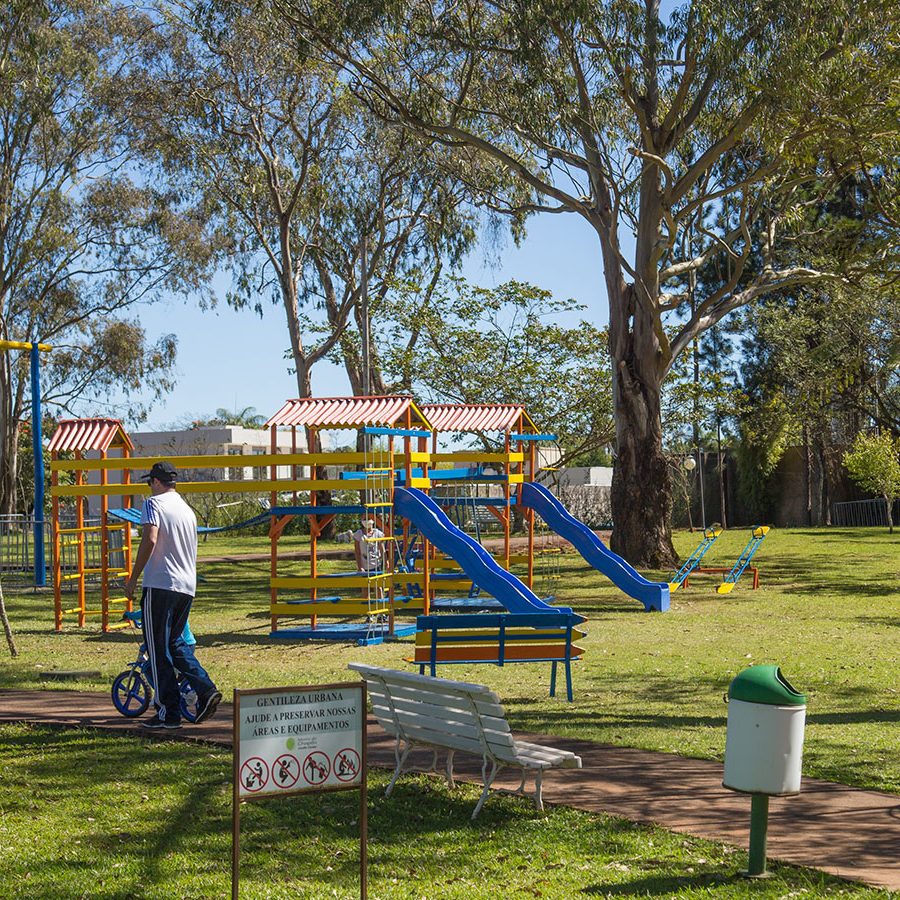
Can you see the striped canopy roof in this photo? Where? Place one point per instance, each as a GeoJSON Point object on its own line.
{"type": "Point", "coordinates": [89, 434]}
{"type": "Point", "coordinates": [478, 417]}
{"type": "Point", "coordinates": [350, 412]}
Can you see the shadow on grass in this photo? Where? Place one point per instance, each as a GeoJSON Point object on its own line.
{"type": "Point", "coordinates": [659, 885]}
{"type": "Point", "coordinates": [853, 718]}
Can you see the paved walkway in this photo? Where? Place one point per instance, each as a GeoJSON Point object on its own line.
{"type": "Point", "coordinates": [850, 833]}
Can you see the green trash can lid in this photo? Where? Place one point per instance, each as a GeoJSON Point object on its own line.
{"type": "Point", "coordinates": [765, 684]}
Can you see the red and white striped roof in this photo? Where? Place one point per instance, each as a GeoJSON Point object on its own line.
{"type": "Point", "coordinates": [478, 417]}
{"type": "Point", "coordinates": [350, 412]}
{"type": "Point", "coordinates": [89, 434]}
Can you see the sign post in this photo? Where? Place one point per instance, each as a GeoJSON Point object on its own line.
{"type": "Point", "coordinates": [297, 740]}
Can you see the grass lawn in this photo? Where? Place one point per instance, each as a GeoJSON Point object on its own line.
{"type": "Point", "coordinates": [827, 611]}
{"type": "Point", "coordinates": [94, 815]}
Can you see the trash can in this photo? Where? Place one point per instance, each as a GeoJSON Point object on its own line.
{"type": "Point", "coordinates": [763, 747]}
{"type": "Point", "coordinates": [764, 738]}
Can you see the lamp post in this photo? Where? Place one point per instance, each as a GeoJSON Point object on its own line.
{"type": "Point", "coordinates": [37, 447]}
{"type": "Point", "coordinates": [690, 464]}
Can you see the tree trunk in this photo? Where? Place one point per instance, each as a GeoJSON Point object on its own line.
{"type": "Point", "coordinates": [721, 460]}
{"type": "Point", "coordinates": [888, 505]}
{"type": "Point", "coordinates": [641, 493]}
{"type": "Point", "coordinates": [807, 474]}
{"type": "Point", "coordinates": [6, 626]}
{"type": "Point", "coordinates": [9, 466]}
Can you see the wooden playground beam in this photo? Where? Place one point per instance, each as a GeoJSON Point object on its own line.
{"type": "Point", "coordinates": [220, 461]}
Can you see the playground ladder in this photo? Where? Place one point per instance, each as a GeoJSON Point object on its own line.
{"type": "Point", "coordinates": [694, 560]}
{"type": "Point", "coordinates": [731, 579]}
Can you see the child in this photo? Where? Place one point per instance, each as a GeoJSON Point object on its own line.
{"type": "Point", "coordinates": [367, 546]}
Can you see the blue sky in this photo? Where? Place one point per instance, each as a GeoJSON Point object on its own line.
{"type": "Point", "coordinates": [234, 359]}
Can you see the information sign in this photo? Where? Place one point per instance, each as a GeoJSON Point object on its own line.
{"type": "Point", "coordinates": [299, 739]}
{"type": "Point", "coordinates": [292, 740]}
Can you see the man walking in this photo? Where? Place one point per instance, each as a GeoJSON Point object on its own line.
{"type": "Point", "coordinates": [167, 557]}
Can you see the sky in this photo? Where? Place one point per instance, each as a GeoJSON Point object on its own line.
{"type": "Point", "coordinates": [234, 359]}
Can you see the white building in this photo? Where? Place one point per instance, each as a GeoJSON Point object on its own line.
{"type": "Point", "coordinates": [212, 440]}
{"type": "Point", "coordinates": [220, 440]}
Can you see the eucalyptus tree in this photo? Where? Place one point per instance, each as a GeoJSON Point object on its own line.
{"type": "Point", "coordinates": [308, 190]}
{"type": "Point", "coordinates": [84, 237]}
{"type": "Point", "coordinates": [514, 343]}
{"type": "Point", "coordinates": [642, 122]}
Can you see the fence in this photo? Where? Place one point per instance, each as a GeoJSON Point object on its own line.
{"type": "Point", "coordinates": [17, 549]}
{"type": "Point", "coordinates": [864, 513]}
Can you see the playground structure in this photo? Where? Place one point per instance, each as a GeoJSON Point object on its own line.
{"type": "Point", "coordinates": [78, 437]}
{"type": "Point", "coordinates": [391, 474]}
{"type": "Point", "coordinates": [733, 574]}
{"type": "Point", "coordinates": [696, 557]}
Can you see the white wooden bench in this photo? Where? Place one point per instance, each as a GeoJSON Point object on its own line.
{"type": "Point", "coordinates": [422, 711]}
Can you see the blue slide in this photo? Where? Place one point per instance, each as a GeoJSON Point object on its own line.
{"type": "Point", "coordinates": [475, 561]}
{"type": "Point", "coordinates": [654, 595]}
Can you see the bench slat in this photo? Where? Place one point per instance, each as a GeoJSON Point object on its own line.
{"type": "Point", "coordinates": [408, 704]}
{"type": "Point", "coordinates": [454, 715]}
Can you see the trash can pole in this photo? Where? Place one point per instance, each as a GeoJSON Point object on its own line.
{"type": "Point", "coordinates": [759, 823]}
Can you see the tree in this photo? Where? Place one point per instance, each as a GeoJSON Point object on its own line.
{"type": "Point", "coordinates": [702, 397]}
{"type": "Point", "coordinates": [247, 417]}
{"type": "Point", "coordinates": [505, 345]}
{"type": "Point", "coordinates": [81, 239]}
{"type": "Point", "coordinates": [874, 464]}
{"type": "Point", "coordinates": [307, 185]}
{"type": "Point", "coordinates": [825, 361]}
{"type": "Point", "coordinates": [707, 119]}
{"type": "Point", "coordinates": [7, 628]}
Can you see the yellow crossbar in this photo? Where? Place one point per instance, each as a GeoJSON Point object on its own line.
{"type": "Point", "coordinates": [329, 584]}
{"type": "Point", "coordinates": [72, 577]}
{"type": "Point", "coordinates": [337, 608]}
{"type": "Point", "coordinates": [119, 625]}
{"type": "Point", "coordinates": [220, 461]}
{"type": "Point", "coordinates": [475, 456]}
{"type": "Point", "coordinates": [117, 600]}
{"type": "Point", "coordinates": [214, 487]}
{"type": "Point", "coordinates": [80, 530]}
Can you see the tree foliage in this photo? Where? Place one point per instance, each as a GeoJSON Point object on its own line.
{"type": "Point", "coordinates": [305, 186]}
{"type": "Point", "coordinates": [83, 236]}
{"type": "Point", "coordinates": [507, 344]}
{"type": "Point", "coordinates": [874, 464]}
{"type": "Point", "coordinates": [704, 119]}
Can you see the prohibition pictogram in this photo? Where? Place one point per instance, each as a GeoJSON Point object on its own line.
{"type": "Point", "coordinates": [254, 774]}
{"type": "Point", "coordinates": [316, 767]}
{"type": "Point", "coordinates": [346, 764]}
{"type": "Point", "coordinates": [286, 770]}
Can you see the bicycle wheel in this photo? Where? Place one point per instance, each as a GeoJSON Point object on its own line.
{"type": "Point", "coordinates": [131, 693]}
{"type": "Point", "coordinates": [188, 701]}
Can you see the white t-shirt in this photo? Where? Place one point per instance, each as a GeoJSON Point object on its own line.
{"type": "Point", "coordinates": [173, 563]}
{"type": "Point", "coordinates": [371, 548]}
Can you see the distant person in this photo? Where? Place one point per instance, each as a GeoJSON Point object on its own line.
{"type": "Point", "coordinates": [167, 557]}
{"type": "Point", "coordinates": [368, 547]}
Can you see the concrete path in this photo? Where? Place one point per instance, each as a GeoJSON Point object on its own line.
{"type": "Point", "coordinates": [848, 832]}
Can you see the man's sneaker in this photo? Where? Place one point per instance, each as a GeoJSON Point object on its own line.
{"type": "Point", "coordinates": [207, 707]}
{"type": "Point", "coordinates": [157, 722]}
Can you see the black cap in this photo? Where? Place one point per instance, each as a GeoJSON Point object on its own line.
{"type": "Point", "coordinates": [162, 471]}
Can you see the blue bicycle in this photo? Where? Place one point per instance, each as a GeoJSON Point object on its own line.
{"type": "Point", "coordinates": [132, 690]}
